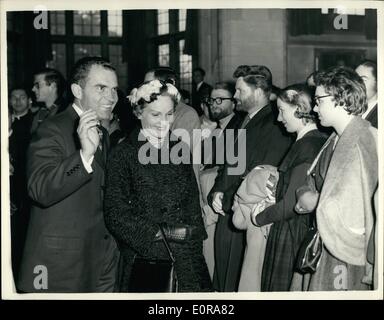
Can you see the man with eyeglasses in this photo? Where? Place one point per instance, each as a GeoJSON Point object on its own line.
{"type": "Point", "coordinates": [222, 106]}
{"type": "Point", "coordinates": [265, 143]}
{"type": "Point", "coordinates": [68, 247]}
{"type": "Point", "coordinates": [222, 110]}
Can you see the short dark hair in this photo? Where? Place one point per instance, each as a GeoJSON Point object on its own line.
{"type": "Point", "coordinates": [53, 76]}
{"type": "Point", "coordinates": [257, 76]}
{"type": "Point", "coordinates": [226, 85]}
{"type": "Point", "coordinates": [27, 92]}
{"type": "Point", "coordinates": [201, 70]}
{"type": "Point", "coordinates": [166, 74]}
{"type": "Point", "coordinates": [370, 64]}
{"type": "Point", "coordinates": [312, 75]}
{"type": "Point", "coordinates": [205, 92]}
{"type": "Point", "coordinates": [275, 89]}
{"type": "Point", "coordinates": [346, 86]}
{"type": "Point", "coordinates": [82, 67]}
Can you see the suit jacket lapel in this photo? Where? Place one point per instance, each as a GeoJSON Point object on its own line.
{"type": "Point", "coordinates": [255, 119]}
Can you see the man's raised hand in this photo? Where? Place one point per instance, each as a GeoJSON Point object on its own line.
{"type": "Point", "coordinates": [88, 134]}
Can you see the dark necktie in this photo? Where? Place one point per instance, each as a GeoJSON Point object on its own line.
{"type": "Point", "coordinates": [243, 125]}
{"type": "Point", "coordinates": [245, 122]}
{"type": "Point", "coordinates": [43, 114]}
{"type": "Point", "coordinates": [104, 143]}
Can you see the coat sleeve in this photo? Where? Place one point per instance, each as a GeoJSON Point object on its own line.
{"type": "Point", "coordinates": [124, 218]}
{"type": "Point", "coordinates": [270, 150]}
{"type": "Point", "coordinates": [228, 184]}
{"type": "Point", "coordinates": [194, 208]}
{"type": "Point", "coordinates": [284, 209]}
{"type": "Point", "coordinates": [52, 175]}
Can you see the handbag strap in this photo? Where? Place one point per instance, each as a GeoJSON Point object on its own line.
{"type": "Point", "coordinates": [167, 244]}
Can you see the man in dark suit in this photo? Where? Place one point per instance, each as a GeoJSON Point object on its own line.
{"type": "Point", "coordinates": [21, 121]}
{"type": "Point", "coordinates": [48, 87]}
{"type": "Point", "coordinates": [68, 247]}
{"type": "Point", "coordinates": [200, 89]}
{"type": "Point", "coordinates": [221, 105]}
{"type": "Point", "coordinates": [265, 144]}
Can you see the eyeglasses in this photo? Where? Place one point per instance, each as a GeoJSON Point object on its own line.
{"type": "Point", "coordinates": [317, 98]}
{"type": "Point", "coordinates": [217, 100]}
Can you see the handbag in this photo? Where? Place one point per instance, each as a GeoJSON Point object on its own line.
{"type": "Point", "coordinates": [310, 250]}
{"type": "Point", "coordinates": [154, 275]}
{"type": "Point", "coordinates": [309, 254]}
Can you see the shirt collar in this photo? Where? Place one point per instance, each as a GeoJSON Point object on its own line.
{"type": "Point", "coordinates": [224, 122]}
{"type": "Point", "coordinates": [18, 117]}
{"type": "Point", "coordinates": [256, 112]}
{"type": "Point", "coordinates": [199, 85]}
{"type": "Point", "coordinates": [153, 139]}
{"type": "Point", "coordinates": [305, 130]}
{"type": "Point", "coordinates": [371, 105]}
{"type": "Point", "coordinates": [77, 109]}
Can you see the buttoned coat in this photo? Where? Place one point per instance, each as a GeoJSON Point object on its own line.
{"type": "Point", "coordinates": [66, 233]}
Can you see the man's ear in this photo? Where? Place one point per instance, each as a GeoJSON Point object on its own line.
{"type": "Point", "coordinates": [53, 86]}
{"type": "Point", "coordinates": [257, 93]}
{"type": "Point", "coordinates": [77, 91]}
{"type": "Point", "coordinates": [233, 107]}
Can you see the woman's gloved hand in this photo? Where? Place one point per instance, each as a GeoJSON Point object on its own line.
{"type": "Point", "coordinates": [177, 232]}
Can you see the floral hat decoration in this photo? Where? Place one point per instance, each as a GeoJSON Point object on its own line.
{"type": "Point", "coordinates": [149, 91]}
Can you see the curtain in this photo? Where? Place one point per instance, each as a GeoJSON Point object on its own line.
{"type": "Point", "coordinates": [37, 42]}
{"type": "Point", "coordinates": [370, 24]}
{"type": "Point", "coordinates": [305, 21]}
{"type": "Point", "coordinates": [134, 46]}
{"type": "Point", "coordinates": [191, 30]}
{"type": "Point", "coordinates": [125, 36]}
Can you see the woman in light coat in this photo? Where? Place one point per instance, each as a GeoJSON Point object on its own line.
{"type": "Point", "coordinates": [343, 201]}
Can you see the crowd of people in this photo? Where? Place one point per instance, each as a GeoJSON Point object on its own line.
{"type": "Point", "coordinates": [98, 179]}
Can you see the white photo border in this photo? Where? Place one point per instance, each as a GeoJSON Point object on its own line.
{"type": "Point", "coordinates": [8, 288]}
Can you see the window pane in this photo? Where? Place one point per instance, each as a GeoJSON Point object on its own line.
{"type": "Point", "coordinates": [162, 22]}
{"type": "Point", "coordinates": [163, 55]}
{"type": "Point", "coordinates": [182, 19]}
{"type": "Point", "coordinates": [86, 23]}
{"type": "Point", "coordinates": [185, 68]}
{"type": "Point", "coordinates": [116, 58]}
{"type": "Point", "coordinates": [59, 61]}
{"type": "Point", "coordinates": [87, 30]}
{"type": "Point", "coordinates": [84, 50]}
{"type": "Point", "coordinates": [115, 23]}
{"type": "Point", "coordinates": [57, 22]}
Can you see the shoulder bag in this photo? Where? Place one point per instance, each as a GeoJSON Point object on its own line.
{"type": "Point", "coordinates": [154, 275]}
